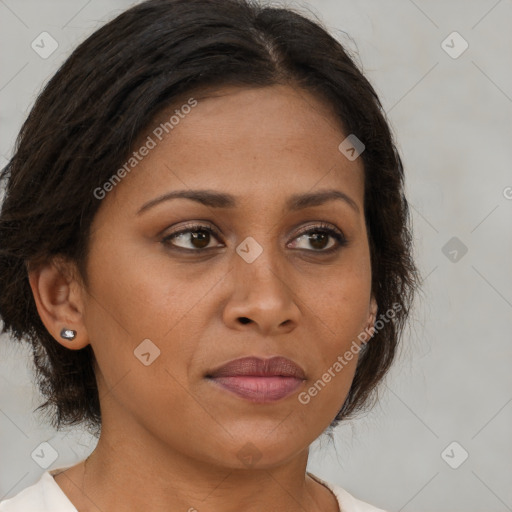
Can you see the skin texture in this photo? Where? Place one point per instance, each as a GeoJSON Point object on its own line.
{"type": "Point", "coordinates": [170, 438]}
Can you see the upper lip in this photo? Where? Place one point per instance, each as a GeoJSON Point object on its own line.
{"type": "Point", "coordinates": [258, 367]}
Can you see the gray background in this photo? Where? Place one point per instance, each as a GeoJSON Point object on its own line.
{"type": "Point", "coordinates": [452, 118]}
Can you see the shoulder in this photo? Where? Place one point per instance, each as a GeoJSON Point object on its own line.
{"type": "Point", "coordinates": [43, 496]}
{"type": "Point", "coordinates": [346, 501]}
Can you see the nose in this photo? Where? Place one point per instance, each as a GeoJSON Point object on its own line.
{"type": "Point", "coordinates": [262, 295]}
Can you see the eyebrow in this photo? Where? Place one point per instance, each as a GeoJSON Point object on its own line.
{"type": "Point", "coordinates": [215, 199]}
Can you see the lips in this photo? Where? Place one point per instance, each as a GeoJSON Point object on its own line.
{"type": "Point", "coordinates": [256, 367]}
{"type": "Point", "coordinates": [259, 380]}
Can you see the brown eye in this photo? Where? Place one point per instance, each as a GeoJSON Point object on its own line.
{"type": "Point", "coordinates": [192, 238]}
{"type": "Point", "coordinates": [318, 238]}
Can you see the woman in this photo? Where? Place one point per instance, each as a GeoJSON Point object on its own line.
{"type": "Point", "coordinates": [205, 239]}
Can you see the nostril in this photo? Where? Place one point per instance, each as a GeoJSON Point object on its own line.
{"type": "Point", "coordinates": [244, 319]}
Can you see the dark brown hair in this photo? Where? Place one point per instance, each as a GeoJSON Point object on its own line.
{"type": "Point", "coordinates": [86, 120]}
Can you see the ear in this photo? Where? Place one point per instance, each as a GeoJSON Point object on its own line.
{"type": "Point", "coordinates": [58, 296]}
{"type": "Point", "coordinates": [372, 317]}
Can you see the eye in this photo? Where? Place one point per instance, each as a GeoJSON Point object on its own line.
{"type": "Point", "coordinates": [198, 236]}
{"type": "Point", "coordinates": [318, 238]}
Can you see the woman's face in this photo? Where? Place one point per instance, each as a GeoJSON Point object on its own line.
{"type": "Point", "coordinates": [164, 312]}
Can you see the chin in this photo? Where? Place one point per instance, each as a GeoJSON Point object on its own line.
{"type": "Point", "coordinates": [260, 452]}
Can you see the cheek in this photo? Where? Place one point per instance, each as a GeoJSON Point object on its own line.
{"type": "Point", "coordinates": [141, 296]}
{"type": "Point", "coordinates": [343, 302]}
{"type": "Point", "coordinates": [336, 353]}
{"type": "Point", "coordinates": [342, 308]}
{"type": "Point", "coordinates": [136, 314]}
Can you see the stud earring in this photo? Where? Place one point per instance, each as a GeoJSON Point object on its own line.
{"type": "Point", "coordinates": [68, 334]}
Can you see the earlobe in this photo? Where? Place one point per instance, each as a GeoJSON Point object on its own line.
{"type": "Point", "coordinates": [373, 311]}
{"type": "Point", "coordinates": [58, 303]}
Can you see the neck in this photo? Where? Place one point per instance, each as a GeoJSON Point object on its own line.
{"type": "Point", "coordinates": [112, 481]}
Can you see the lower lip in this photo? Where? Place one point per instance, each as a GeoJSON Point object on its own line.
{"type": "Point", "coordinates": [259, 389]}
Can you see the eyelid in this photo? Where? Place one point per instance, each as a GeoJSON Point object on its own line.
{"type": "Point", "coordinates": [331, 230]}
{"type": "Point", "coordinates": [195, 226]}
{"type": "Point", "coordinates": [320, 226]}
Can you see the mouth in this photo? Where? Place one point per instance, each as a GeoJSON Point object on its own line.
{"type": "Point", "coordinates": [259, 380]}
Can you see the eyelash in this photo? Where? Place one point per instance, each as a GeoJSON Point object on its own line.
{"type": "Point", "coordinates": [321, 228]}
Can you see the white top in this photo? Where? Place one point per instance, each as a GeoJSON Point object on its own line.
{"type": "Point", "coordinates": [47, 496]}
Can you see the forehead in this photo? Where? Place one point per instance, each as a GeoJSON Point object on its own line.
{"type": "Point", "coordinates": [278, 116]}
{"type": "Point", "coordinates": [251, 142]}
